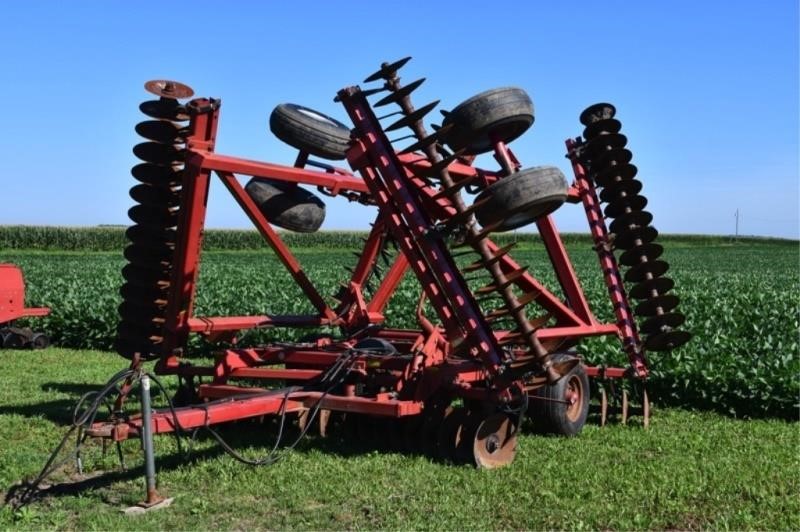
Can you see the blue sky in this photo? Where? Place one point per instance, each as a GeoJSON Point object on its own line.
{"type": "Point", "coordinates": [707, 92]}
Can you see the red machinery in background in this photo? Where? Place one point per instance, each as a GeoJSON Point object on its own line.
{"type": "Point", "coordinates": [456, 387]}
{"type": "Point", "coordinates": [12, 307]}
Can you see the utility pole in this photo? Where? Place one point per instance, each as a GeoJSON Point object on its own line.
{"type": "Point", "coordinates": [737, 224]}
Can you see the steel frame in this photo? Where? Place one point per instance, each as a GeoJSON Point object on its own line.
{"type": "Point", "coordinates": [409, 208]}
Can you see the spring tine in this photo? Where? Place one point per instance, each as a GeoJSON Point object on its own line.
{"type": "Point", "coordinates": [413, 117]}
{"type": "Point", "coordinates": [435, 169]}
{"type": "Point", "coordinates": [399, 94]}
{"type": "Point", "coordinates": [387, 69]}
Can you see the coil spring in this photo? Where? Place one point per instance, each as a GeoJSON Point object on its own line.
{"type": "Point", "coordinates": [609, 164]}
{"type": "Point", "coordinates": [150, 253]}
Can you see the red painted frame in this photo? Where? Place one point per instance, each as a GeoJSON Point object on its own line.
{"type": "Point", "coordinates": [408, 207]}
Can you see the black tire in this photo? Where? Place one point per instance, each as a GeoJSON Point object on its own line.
{"type": "Point", "coordinates": [522, 198]}
{"type": "Point", "coordinates": [310, 131]}
{"type": "Point", "coordinates": [40, 341]}
{"type": "Point", "coordinates": [552, 417]}
{"type": "Point", "coordinates": [12, 340]}
{"type": "Point", "coordinates": [504, 113]}
{"type": "Point", "coordinates": [287, 205]}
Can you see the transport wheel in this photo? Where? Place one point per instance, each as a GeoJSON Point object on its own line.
{"type": "Point", "coordinates": [563, 406]}
{"type": "Point", "coordinates": [498, 114]}
{"type": "Point", "coordinates": [13, 341]}
{"type": "Point", "coordinates": [310, 131]}
{"type": "Point", "coordinates": [495, 442]}
{"type": "Point", "coordinates": [522, 198]}
{"type": "Point", "coordinates": [40, 341]}
{"type": "Point", "coordinates": [287, 205]}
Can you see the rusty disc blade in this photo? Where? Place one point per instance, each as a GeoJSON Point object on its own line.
{"type": "Point", "coordinates": [608, 125]}
{"type": "Point", "coordinates": [152, 174]}
{"type": "Point", "coordinates": [631, 219]}
{"type": "Point", "coordinates": [634, 255]}
{"type": "Point", "coordinates": [649, 307]}
{"type": "Point", "coordinates": [667, 341]}
{"type": "Point", "coordinates": [637, 236]}
{"type": "Point", "coordinates": [645, 289]}
{"type": "Point", "coordinates": [662, 323]}
{"type": "Point", "coordinates": [164, 110]}
{"type": "Point", "coordinates": [621, 206]}
{"type": "Point", "coordinates": [495, 442]}
{"type": "Point", "coordinates": [168, 89]}
{"type": "Point", "coordinates": [162, 131]}
{"type": "Point", "coordinates": [597, 112]}
{"type": "Point", "coordinates": [608, 176]}
{"type": "Point", "coordinates": [629, 187]}
{"type": "Point", "coordinates": [157, 153]}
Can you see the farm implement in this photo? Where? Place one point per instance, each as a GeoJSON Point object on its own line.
{"type": "Point", "coordinates": [12, 307]}
{"type": "Point", "coordinates": [493, 344]}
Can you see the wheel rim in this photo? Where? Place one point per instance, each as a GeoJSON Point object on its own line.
{"type": "Point", "coordinates": [575, 394]}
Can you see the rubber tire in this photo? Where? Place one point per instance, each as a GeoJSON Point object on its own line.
{"type": "Point", "coordinates": [522, 198]}
{"type": "Point", "coordinates": [287, 205]}
{"type": "Point", "coordinates": [310, 131]}
{"type": "Point", "coordinates": [506, 112]}
{"type": "Point", "coordinates": [40, 341]}
{"type": "Point", "coordinates": [550, 417]}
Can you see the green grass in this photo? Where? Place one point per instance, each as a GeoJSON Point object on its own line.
{"type": "Point", "coordinates": [688, 471]}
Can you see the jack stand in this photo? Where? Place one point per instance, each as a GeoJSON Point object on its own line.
{"type": "Point", "coordinates": [154, 501]}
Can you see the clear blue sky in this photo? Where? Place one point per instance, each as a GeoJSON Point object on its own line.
{"type": "Point", "coordinates": [707, 92]}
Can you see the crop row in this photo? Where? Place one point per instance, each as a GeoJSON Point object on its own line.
{"type": "Point", "coordinates": [742, 305]}
{"type": "Point", "coordinates": [112, 238]}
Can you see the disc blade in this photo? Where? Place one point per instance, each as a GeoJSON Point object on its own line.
{"type": "Point", "coordinates": [667, 341]}
{"type": "Point", "coordinates": [602, 144]}
{"type": "Point", "coordinates": [151, 174]}
{"type": "Point", "coordinates": [157, 153]}
{"type": "Point", "coordinates": [625, 205]}
{"type": "Point", "coordinates": [162, 131]}
{"type": "Point", "coordinates": [634, 255]}
{"type": "Point", "coordinates": [387, 69]}
{"type": "Point", "coordinates": [638, 218]}
{"type": "Point", "coordinates": [644, 290]}
{"type": "Point", "coordinates": [612, 191]}
{"type": "Point", "coordinates": [164, 110]}
{"type": "Point", "coordinates": [608, 125]}
{"type": "Point", "coordinates": [607, 176]}
{"type": "Point", "coordinates": [650, 307]}
{"type": "Point", "coordinates": [656, 268]}
{"type": "Point", "coordinates": [154, 195]}
{"type": "Point", "coordinates": [399, 94]}
{"type": "Point", "coordinates": [413, 117]}
{"type": "Point", "coordinates": [595, 113]}
{"type": "Point", "coordinates": [636, 236]}
{"type": "Point", "coordinates": [662, 323]}
{"type": "Point", "coordinates": [168, 89]}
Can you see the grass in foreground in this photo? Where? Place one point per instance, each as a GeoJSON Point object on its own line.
{"type": "Point", "coordinates": [688, 471]}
